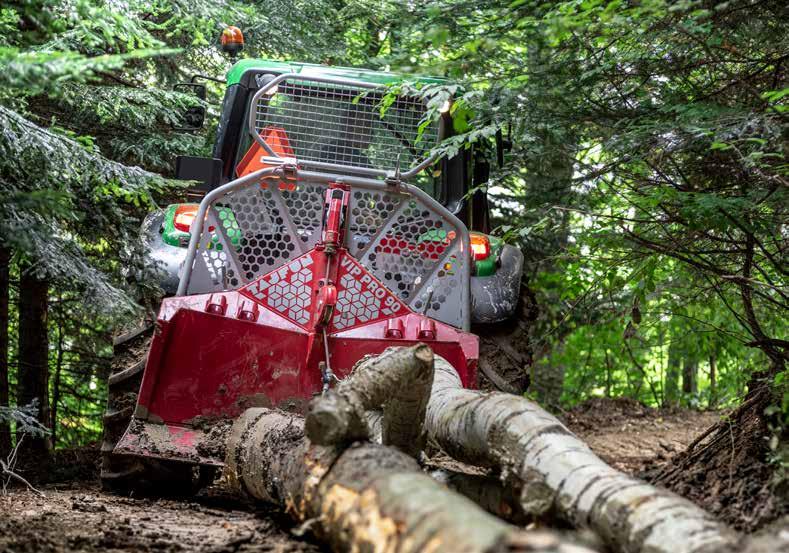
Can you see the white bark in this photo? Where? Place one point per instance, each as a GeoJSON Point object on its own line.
{"type": "Point", "coordinates": [560, 474]}
{"type": "Point", "coordinates": [399, 381]}
{"type": "Point", "coordinates": [367, 497]}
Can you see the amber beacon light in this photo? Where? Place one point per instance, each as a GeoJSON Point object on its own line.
{"type": "Point", "coordinates": [232, 40]}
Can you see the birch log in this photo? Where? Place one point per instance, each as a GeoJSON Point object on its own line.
{"type": "Point", "coordinates": [559, 473]}
{"type": "Point", "coordinates": [367, 497]}
{"type": "Point", "coordinates": [399, 381]}
{"type": "Point", "coordinates": [487, 492]}
{"type": "Point", "coordinates": [496, 497]}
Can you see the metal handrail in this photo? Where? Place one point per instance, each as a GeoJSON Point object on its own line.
{"type": "Point", "coordinates": [196, 229]}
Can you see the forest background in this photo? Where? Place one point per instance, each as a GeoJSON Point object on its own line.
{"type": "Point", "coordinates": [646, 183]}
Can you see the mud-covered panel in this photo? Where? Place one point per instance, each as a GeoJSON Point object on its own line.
{"type": "Point", "coordinates": [164, 441]}
{"type": "Point", "coordinates": [207, 365]}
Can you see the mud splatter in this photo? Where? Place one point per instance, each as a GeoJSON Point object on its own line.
{"type": "Point", "coordinates": [214, 441]}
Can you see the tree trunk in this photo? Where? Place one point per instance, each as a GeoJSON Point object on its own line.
{"type": "Point", "coordinates": [5, 428]}
{"type": "Point", "coordinates": [690, 369]}
{"type": "Point", "coordinates": [558, 474]}
{"type": "Point", "coordinates": [56, 386]}
{"type": "Point", "coordinates": [384, 484]}
{"type": "Point", "coordinates": [713, 382]}
{"type": "Point", "coordinates": [486, 491]}
{"type": "Point", "coordinates": [671, 387]}
{"type": "Point", "coordinates": [368, 497]}
{"type": "Point", "coordinates": [399, 380]}
{"type": "Point", "coordinates": [33, 365]}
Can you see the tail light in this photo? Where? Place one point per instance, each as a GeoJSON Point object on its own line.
{"type": "Point", "coordinates": [184, 216]}
{"type": "Point", "coordinates": [480, 246]}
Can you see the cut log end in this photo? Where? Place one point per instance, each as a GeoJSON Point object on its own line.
{"type": "Point", "coordinates": [367, 497]}
{"type": "Point", "coordinates": [370, 497]}
{"type": "Point", "coordinates": [424, 354]}
{"type": "Point", "coordinates": [331, 419]}
{"type": "Point", "coordinates": [398, 382]}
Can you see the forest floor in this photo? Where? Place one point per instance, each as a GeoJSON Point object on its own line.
{"type": "Point", "coordinates": [634, 438]}
{"type": "Point", "coordinates": [76, 515]}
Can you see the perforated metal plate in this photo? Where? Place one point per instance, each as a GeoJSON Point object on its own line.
{"type": "Point", "coordinates": [253, 230]}
{"type": "Point", "coordinates": [347, 125]}
{"type": "Point", "coordinates": [410, 248]}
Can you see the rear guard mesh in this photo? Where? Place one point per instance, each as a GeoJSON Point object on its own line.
{"type": "Point", "coordinates": [412, 250]}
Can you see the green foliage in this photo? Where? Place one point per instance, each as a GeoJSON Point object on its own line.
{"type": "Point", "coordinates": [87, 127]}
{"type": "Point", "coordinates": [71, 191]}
{"type": "Point", "coordinates": [647, 185]}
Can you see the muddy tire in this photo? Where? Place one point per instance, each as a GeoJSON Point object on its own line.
{"type": "Point", "coordinates": [128, 474]}
{"type": "Point", "coordinates": [506, 352]}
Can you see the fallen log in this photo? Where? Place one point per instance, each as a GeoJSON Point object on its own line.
{"type": "Point", "coordinates": [399, 380]}
{"type": "Point", "coordinates": [486, 491]}
{"type": "Point", "coordinates": [496, 497]}
{"type": "Point", "coordinates": [367, 497]}
{"type": "Point", "coordinates": [558, 473]}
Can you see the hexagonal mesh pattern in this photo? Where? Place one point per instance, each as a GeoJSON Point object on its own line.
{"type": "Point", "coordinates": [411, 249]}
{"type": "Point", "coordinates": [254, 230]}
{"type": "Point", "coordinates": [305, 204]}
{"type": "Point", "coordinates": [415, 253]}
{"type": "Point", "coordinates": [369, 211]}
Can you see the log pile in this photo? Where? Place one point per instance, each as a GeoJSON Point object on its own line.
{"type": "Point", "coordinates": [351, 471]}
{"type": "Point", "coordinates": [365, 497]}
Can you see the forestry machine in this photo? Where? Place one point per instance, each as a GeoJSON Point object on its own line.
{"type": "Point", "coordinates": [326, 231]}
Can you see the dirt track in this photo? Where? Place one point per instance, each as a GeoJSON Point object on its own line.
{"type": "Point", "coordinates": [634, 438]}
{"type": "Point", "coordinates": [77, 516]}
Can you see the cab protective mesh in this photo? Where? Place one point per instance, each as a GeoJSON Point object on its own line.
{"type": "Point", "coordinates": [346, 125]}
